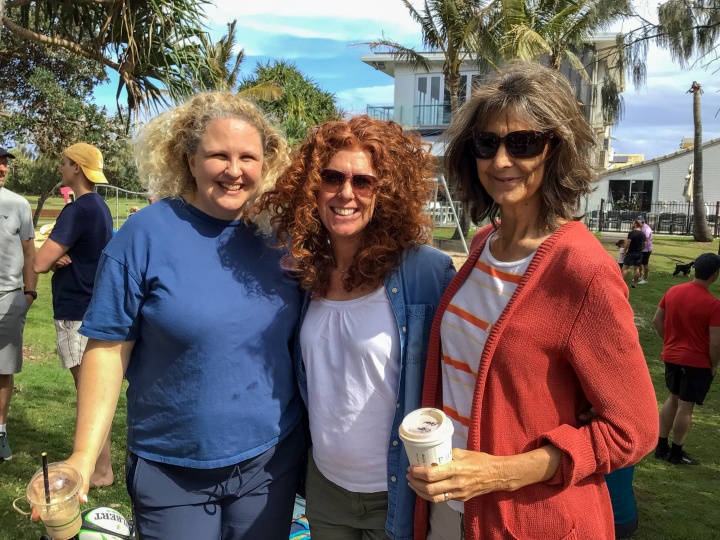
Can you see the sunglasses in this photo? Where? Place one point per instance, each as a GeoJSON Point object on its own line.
{"type": "Point", "coordinates": [519, 144]}
{"type": "Point", "coordinates": [363, 185]}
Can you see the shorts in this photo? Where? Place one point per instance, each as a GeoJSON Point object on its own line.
{"type": "Point", "coordinates": [646, 257]}
{"type": "Point", "coordinates": [633, 259]}
{"type": "Point", "coordinates": [688, 383]}
{"type": "Point", "coordinates": [70, 343]}
{"type": "Point", "coordinates": [13, 309]}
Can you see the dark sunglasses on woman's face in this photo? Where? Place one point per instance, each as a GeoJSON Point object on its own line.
{"type": "Point", "coordinates": [363, 185]}
{"type": "Point", "coordinates": [519, 144]}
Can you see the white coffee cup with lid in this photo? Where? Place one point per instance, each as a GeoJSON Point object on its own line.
{"type": "Point", "coordinates": [427, 435]}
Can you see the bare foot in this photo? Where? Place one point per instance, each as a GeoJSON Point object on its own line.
{"type": "Point", "coordinates": [98, 480]}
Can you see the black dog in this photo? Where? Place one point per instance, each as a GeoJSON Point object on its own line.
{"type": "Point", "coordinates": [684, 268]}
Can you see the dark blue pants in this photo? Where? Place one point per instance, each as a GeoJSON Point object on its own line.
{"type": "Point", "coordinates": [252, 500]}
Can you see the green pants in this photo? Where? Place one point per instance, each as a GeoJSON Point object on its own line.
{"type": "Point", "coordinates": [335, 513]}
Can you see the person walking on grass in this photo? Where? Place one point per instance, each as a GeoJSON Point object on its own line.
{"type": "Point", "coordinates": [17, 290]}
{"type": "Point", "coordinates": [647, 250]}
{"type": "Point", "coordinates": [634, 245]}
{"type": "Point", "coordinates": [688, 320]}
{"type": "Point", "coordinates": [72, 252]}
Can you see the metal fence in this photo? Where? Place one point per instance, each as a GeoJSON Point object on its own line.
{"type": "Point", "coordinates": [123, 200]}
{"type": "Point", "coordinates": [663, 217]}
{"type": "Point", "coordinates": [442, 214]}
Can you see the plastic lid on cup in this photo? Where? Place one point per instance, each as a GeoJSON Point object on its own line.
{"type": "Point", "coordinates": [426, 425]}
{"type": "Point", "coordinates": [64, 484]}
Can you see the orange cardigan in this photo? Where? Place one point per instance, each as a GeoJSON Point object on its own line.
{"type": "Point", "coordinates": [565, 341]}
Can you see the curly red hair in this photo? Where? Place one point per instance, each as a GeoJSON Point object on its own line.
{"type": "Point", "coordinates": [403, 165]}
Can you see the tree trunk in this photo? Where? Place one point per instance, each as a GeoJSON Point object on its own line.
{"type": "Point", "coordinates": [701, 230]}
{"type": "Point", "coordinates": [452, 83]}
{"type": "Point", "coordinates": [41, 202]}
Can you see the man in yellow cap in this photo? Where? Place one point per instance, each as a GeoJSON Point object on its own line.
{"type": "Point", "coordinates": [72, 252]}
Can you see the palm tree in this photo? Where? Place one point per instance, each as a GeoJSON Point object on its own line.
{"type": "Point", "coordinates": [221, 68]}
{"type": "Point", "coordinates": [152, 45]}
{"type": "Point", "coordinates": [452, 27]}
{"type": "Point", "coordinates": [701, 230]}
{"type": "Point", "coordinates": [557, 30]}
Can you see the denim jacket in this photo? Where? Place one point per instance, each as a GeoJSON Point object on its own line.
{"type": "Point", "coordinates": [414, 291]}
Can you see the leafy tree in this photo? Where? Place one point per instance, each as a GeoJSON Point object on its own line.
{"type": "Point", "coordinates": [689, 30]}
{"type": "Point", "coordinates": [49, 119]}
{"type": "Point", "coordinates": [19, 57]}
{"type": "Point", "coordinates": [556, 31]}
{"type": "Point", "coordinates": [302, 104]}
{"type": "Point", "coordinates": [457, 29]}
{"type": "Point", "coordinates": [153, 45]}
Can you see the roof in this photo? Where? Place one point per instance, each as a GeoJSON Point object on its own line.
{"type": "Point", "coordinates": [632, 166]}
{"type": "Point", "coordinates": [385, 61]}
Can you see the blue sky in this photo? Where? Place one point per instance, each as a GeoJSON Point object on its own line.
{"type": "Point", "coordinates": [321, 37]}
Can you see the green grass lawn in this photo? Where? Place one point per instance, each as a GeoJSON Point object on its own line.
{"type": "Point", "coordinates": [674, 502]}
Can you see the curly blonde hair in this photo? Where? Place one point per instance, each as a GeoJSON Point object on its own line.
{"type": "Point", "coordinates": [403, 165]}
{"type": "Point", "coordinates": [163, 144]}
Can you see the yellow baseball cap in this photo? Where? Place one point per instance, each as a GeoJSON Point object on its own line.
{"type": "Point", "coordinates": [90, 160]}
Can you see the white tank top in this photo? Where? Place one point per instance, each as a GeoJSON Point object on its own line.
{"type": "Point", "coordinates": [351, 350]}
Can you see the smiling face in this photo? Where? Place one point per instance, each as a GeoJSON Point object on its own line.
{"type": "Point", "coordinates": [227, 167]}
{"type": "Point", "coordinates": [513, 183]}
{"type": "Point", "coordinates": [344, 214]}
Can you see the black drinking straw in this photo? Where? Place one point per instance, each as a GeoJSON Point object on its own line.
{"type": "Point", "coordinates": [45, 477]}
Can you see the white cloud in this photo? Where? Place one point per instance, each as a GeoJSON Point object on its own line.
{"type": "Point", "coordinates": [390, 17]}
{"type": "Point", "coordinates": [391, 13]}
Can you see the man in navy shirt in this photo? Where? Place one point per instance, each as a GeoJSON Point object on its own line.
{"type": "Point", "coordinates": [72, 252]}
{"type": "Point", "coordinates": [634, 245]}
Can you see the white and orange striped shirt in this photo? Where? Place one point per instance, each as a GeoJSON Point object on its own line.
{"type": "Point", "coordinates": [466, 324]}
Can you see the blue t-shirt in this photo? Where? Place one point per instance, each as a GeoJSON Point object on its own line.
{"type": "Point", "coordinates": [86, 227]}
{"type": "Point", "coordinates": [212, 313]}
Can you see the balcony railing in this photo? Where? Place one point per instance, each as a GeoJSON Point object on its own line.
{"type": "Point", "coordinates": [415, 115]}
{"type": "Point", "coordinates": [432, 115]}
{"type": "Point", "coordinates": [381, 112]}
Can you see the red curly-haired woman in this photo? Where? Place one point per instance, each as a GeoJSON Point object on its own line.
{"type": "Point", "coordinates": [350, 208]}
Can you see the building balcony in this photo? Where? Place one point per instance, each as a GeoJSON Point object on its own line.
{"type": "Point", "coordinates": [417, 116]}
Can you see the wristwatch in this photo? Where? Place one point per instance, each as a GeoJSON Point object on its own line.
{"type": "Point", "coordinates": [31, 293]}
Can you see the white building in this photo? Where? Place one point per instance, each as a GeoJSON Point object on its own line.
{"type": "Point", "coordinates": [660, 180]}
{"type": "Point", "coordinates": [421, 102]}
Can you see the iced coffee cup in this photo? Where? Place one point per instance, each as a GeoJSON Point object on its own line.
{"type": "Point", "coordinates": [427, 434]}
{"type": "Point", "coordinates": [59, 508]}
